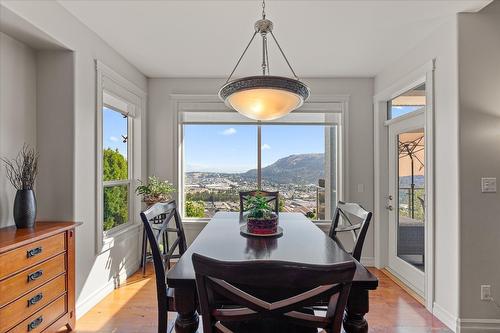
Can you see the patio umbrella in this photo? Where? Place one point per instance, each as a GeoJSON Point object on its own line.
{"type": "Point", "coordinates": [411, 148]}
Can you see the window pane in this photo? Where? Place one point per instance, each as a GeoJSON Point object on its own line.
{"type": "Point", "coordinates": [219, 161]}
{"type": "Point", "coordinates": [115, 206]}
{"type": "Point", "coordinates": [294, 163]}
{"type": "Point", "coordinates": [410, 101]}
{"type": "Point", "coordinates": [115, 145]}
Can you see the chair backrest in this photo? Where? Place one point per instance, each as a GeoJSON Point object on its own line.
{"type": "Point", "coordinates": [161, 214]}
{"type": "Point", "coordinates": [272, 290]}
{"type": "Point", "coordinates": [347, 212]}
{"type": "Point", "coordinates": [271, 197]}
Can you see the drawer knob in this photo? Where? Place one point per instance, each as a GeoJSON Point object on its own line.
{"type": "Point", "coordinates": [35, 299]}
{"type": "Point", "coordinates": [33, 252]}
{"type": "Point", "coordinates": [34, 324]}
{"type": "Point", "coordinates": [35, 275]}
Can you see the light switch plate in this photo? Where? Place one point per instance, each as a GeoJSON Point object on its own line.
{"type": "Point", "coordinates": [489, 185]}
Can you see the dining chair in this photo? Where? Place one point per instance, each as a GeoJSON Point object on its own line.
{"type": "Point", "coordinates": [351, 217]}
{"type": "Point", "coordinates": [271, 197]}
{"type": "Point", "coordinates": [270, 296]}
{"type": "Point", "coordinates": [166, 212]}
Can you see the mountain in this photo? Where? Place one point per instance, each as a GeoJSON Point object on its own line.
{"type": "Point", "coordinates": [296, 169]}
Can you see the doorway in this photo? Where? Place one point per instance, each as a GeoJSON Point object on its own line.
{"type": "Point", "coordinates": [406, 200]}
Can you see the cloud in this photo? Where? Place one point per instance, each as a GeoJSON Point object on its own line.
{"type": "Point", "coordinates": [229, 131]}
{"type": "Point", "coordinates": [265, 146]}
{"type": "Point", "coordinates": [113, 138]}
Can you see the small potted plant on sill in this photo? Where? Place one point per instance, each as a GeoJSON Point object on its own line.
{"type": "Point", "coordinates": [260, 218]}
{"type": "Point", "coordinates": [155, 190]}
{"type": "Point", "coordinates": [22, 172]}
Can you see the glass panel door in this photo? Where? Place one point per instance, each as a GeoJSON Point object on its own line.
{"type": "Point", "coordinates": [411, 197]}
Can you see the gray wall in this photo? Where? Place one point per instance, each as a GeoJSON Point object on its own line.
{"type": "Point", "coordinates": [161, 125]}
{"type": "Point", "coordinates": [17, 111]}
{"type": "Point", "coordinates": [442, 46]}
{"type": "Point", "coordinates": [479, 98]}
{"type": "Point", "coordinates": [95, 273]}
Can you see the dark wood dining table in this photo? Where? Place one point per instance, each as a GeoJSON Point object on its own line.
{"type": "Point", "coordinates": [302, 241]}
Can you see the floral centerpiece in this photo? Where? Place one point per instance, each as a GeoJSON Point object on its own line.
{"type": "Point", "coordinates": [155, 190]}
{"type": "Point", "coordinates": [260, 219]}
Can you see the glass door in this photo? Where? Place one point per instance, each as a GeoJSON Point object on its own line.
{"type": "Point", "coordinates": [407, 201]}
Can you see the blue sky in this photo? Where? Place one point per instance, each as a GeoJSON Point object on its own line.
{"type": "Point", "coordinates": [397, 111]}
{"type": "Point", "coordinates": [233, 148]}
{"type": "Point", "coordinates": [114, 126]}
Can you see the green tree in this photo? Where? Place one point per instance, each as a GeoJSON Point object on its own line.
{"type": "Point", "coordinates": [115, 167]}
{"type": "Point", "coordinates": [195, 209]}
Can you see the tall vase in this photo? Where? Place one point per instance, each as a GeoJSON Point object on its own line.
{"type": "Point", "coordinates": [25, 209]}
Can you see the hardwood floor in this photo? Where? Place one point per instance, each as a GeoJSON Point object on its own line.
{"type": "Point", "coordinates": [132, 309]}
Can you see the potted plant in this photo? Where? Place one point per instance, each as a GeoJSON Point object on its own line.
{"type": "Point", "coordinates": [260, 218]}
{"type": "Point", "coordinates": [22, 172]}
{"type": "Point", "coordinates": [155, 190]}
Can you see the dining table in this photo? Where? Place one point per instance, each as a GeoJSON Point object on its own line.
{"type": "Point", "coordinates": [302, 241]}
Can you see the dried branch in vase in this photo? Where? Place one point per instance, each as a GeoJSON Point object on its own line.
{"type": "Point", "coordinates": [22, 170]}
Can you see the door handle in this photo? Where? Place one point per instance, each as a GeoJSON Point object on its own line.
{"type": "Point", "coordinates": [389, 207]}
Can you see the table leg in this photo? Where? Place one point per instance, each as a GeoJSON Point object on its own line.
{"type": "Point", "coordinates": [357, 307]}
{"type": "Point", "coordinates": [185, 303]}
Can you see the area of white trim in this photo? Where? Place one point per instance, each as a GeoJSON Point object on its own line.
{"type": "Point", "coordinates": [111, 82]}
{"type": "Point", "coordinates": [98, 295]}
{"type": "Point", "coordinates": [478, 325]}
{"type": "Point", "coordinates": [445, 317]}
{"type": "Point", "coordinates": [424, 73]}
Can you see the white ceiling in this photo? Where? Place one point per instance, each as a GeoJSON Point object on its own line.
{"type": "Point", "coordinates": [321, 38]}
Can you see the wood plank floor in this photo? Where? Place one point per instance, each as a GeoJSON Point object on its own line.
{"type": "Point", "coordinates": [132, 309]}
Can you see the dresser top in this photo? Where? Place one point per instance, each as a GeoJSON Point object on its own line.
{"type": "Point", "coordinates": [11, 237]}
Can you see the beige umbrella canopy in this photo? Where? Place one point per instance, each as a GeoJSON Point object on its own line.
{"type": "Point", "coordinates": [411, 146]}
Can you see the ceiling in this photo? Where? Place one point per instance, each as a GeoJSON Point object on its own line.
{"type": "Point", "coordinates": [204, 38]}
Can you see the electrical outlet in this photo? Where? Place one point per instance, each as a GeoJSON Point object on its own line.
{"type": "Point", "coordinates": [485, 292]}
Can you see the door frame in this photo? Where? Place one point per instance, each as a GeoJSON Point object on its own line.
{"type": "Point", "coordinates": [423, 74]}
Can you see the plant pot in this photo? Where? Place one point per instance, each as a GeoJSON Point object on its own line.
{"type": "Point", "coordinates": [262, 226]}
{"type": "Point", "coordinates": [25, 209]}
{"type": "Point", "coordinates": [150, 201]}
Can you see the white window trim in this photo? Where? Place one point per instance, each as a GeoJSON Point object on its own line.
{"type": "Point", "coordinates": [319, 103]}
{"type": "Point", "coordinates": [113, 83]}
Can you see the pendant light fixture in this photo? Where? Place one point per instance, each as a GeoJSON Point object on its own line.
{"type": "Point", "coordinates": [264, 97]}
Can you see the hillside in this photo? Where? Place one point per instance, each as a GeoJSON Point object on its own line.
{"type": "Point", "coordinates": [298, 169]}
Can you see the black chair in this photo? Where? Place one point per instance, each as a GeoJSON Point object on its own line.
{"type": "Point", "coordinates": [271, 197]}
{"type": "Point", "coordinates": [344, 221]}
{"type": "Point", "coordinates": [270, 296]}
{"type": "Point", "coordinates": [164, 212]}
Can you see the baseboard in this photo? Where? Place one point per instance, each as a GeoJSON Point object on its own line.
{"type": "Point", "coordinates": [368, 261]}
{"type": "Point", "coordinates": [445, 317]}
{"type": "Point", "coordinates": [478, 325]}
{"type": "Point", "coordinates": [82, 307]}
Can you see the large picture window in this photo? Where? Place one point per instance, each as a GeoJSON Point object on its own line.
{"type": "Point", "coordinates": [224, 154]}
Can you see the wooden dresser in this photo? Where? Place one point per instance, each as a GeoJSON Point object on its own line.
{"type": "Point", "coordinates": [37, 278]}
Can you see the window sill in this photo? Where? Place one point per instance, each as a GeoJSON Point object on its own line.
{"type": "Point", "coordinates": [115, 236]}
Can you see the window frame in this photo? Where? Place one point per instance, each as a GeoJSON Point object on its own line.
{"type": "Point", "coordinates": [111, 83]}
{"type": "Point", "coordinates": [337, 104]}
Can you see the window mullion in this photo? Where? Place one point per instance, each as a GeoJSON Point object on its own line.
{"type": "Point", "coordinates": [259, 157]}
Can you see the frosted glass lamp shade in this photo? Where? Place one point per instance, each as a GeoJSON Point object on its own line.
{"type": "Point", "coordinates": [264, 97]}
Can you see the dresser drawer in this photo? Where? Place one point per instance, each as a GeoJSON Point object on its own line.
{"type": "Point", "coordinates": [43, 318]}
{"type": "Point", "coordinates": [29, 279]}
{"type": "Point", "coordinates": [33, 301]}
{"type": "Point", "coordinates": [31, 254]}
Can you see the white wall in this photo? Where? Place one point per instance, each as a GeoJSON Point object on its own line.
{"type": "Point", "coordinates": [161, 125]}
{"type": "Point", "coordinates": [479, 98]}
{"type": "Point", "coordinates": [442, 46]}
{"type": "Point", "coordinates": [95, 273]}
{"type": "Point", "coordinates": [17, 111]}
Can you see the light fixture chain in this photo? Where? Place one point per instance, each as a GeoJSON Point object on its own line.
{"type": "Point", "coordinates": [284, 56]}
{"type": "Point", "coordinates": [241, 57]}
{"type": "Point", "coordinates": [263, 9]}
